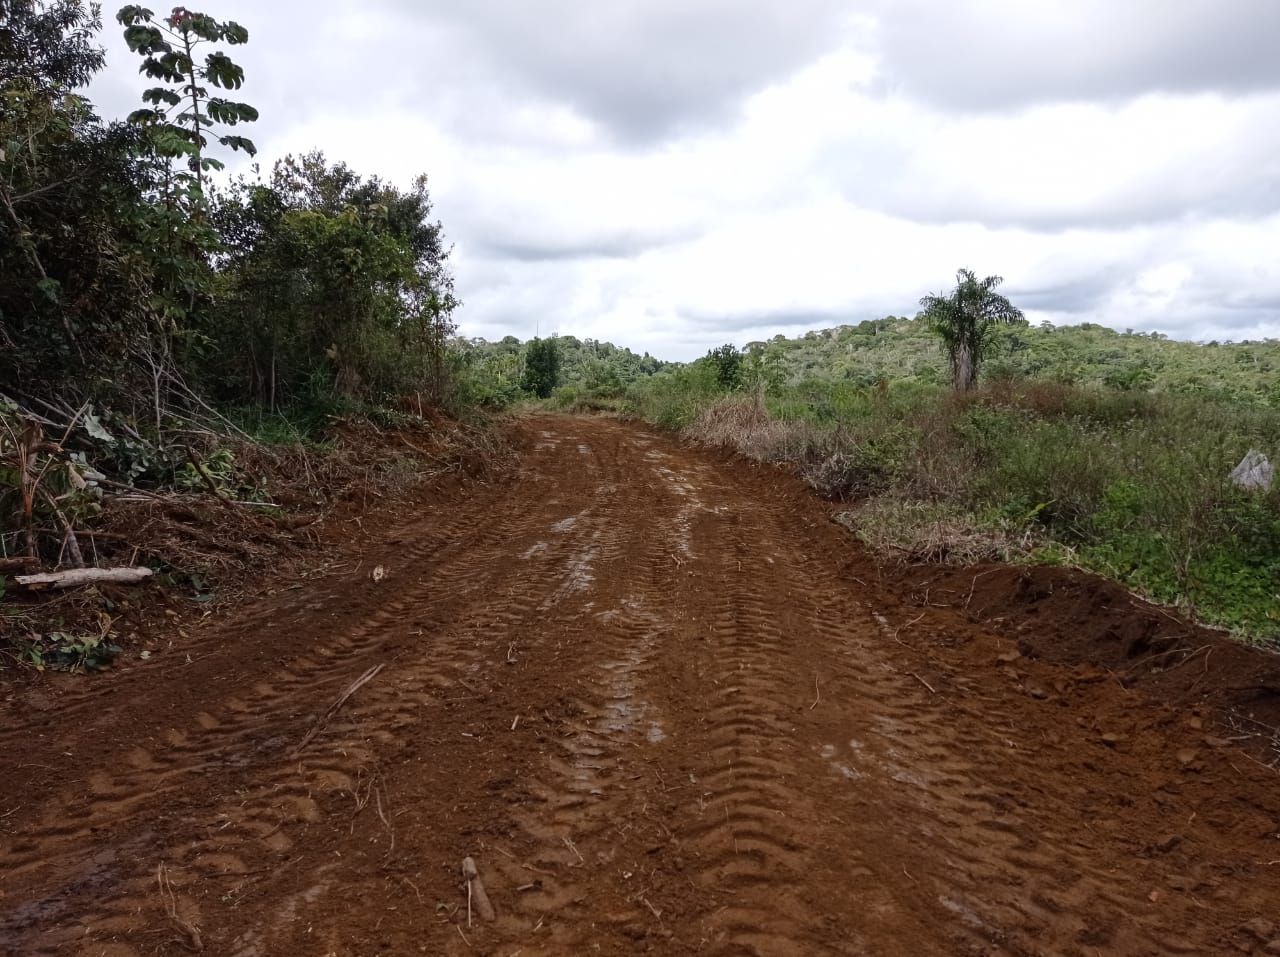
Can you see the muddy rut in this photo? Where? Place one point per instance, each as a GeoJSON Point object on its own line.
{"type": "Point", "coordinates": [668, 707]}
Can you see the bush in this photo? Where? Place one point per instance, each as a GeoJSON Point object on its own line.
{"type": "Point", "coordinates": [1129, 484]}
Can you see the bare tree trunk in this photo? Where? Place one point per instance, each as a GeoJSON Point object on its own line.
{"type": "Point", "coordinates": [964, 369]}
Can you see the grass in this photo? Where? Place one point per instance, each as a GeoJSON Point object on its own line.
{"type": "Point", "coordinates": [1128, 484]}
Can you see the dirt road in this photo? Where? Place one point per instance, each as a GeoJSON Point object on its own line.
{"type": "Point", "coordinates": [666, 705]}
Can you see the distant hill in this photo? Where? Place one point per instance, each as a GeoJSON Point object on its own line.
{"type": "Point", "coordinates": [584, 363]}
{"type": "Point", "coordinates": [895, 348]}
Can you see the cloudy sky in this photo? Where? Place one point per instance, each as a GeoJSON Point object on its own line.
{"type": "Point", "coordinates": [674, 174]}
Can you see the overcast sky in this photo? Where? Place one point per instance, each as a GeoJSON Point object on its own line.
{"type": "Point", "coordinates": [674, 174]}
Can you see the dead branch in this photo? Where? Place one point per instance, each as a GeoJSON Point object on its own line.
{"type": "Point", "coordinates": [189, 931]}
{"type": "Point", "coordinates": [342, 699]}
{"type": "Point", "coordinates": [20, 564]}
{"type": "Point", "coordinates": [81, 576]}
{"type": "Point", "coordinates": [923, 682]}
{"type": "Point", "coordinates": [206, 477]}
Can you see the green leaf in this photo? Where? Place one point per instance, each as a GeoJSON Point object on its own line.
{"type": "Point", "coordinates": [146, 40]}
{"type": "Point", "coordinates": [162, 69]}
{"type": "Point", "coordinates": [159, 94]}
{"type": "Point", "coordinates": [234, 33]}
{"type": "Point", "coordinates": [203, 26]}
{"type": "Point", "coordinates": [132, 14]}
{"type": "Point", "coordinates": [239, 143]}
{"type": "Point", "coordinates": [222, 72]}
{"type": "Point", "coordinates": [145, 117]}
{"type": "Point", "coordinates": [51, 288]}
{"type": "Point", "coordinates": [93, 425]}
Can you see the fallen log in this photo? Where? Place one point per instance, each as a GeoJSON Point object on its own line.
{"type": "Point", "coordinates": [19, 564]}
{"type": "Point", "coordinates": [81, 576]}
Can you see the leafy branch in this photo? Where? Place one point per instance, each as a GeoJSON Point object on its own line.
{"type": "Point", "coordinates": [182, 114]}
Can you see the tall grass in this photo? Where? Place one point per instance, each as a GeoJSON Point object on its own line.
{"type": "Point", "coordinates": [1132, 485]}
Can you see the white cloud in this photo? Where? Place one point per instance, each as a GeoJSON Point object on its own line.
{"type": "Point", "coordinates": [671, 175]}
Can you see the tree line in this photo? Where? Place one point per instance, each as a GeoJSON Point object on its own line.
{"type": "Point", "coordinates": [131, 280]}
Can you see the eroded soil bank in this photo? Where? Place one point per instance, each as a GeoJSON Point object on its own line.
{"type": "Point", "coordinates": [668, 706]}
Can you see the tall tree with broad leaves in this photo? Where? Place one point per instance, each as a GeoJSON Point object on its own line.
{"type": "Point", "coordinates": [726, 362]}
{"type": "Point", "coordinates": [169, 48]}
{"type": "Point", "coordinates": [963, 321]}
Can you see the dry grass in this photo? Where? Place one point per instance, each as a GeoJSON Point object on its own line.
{"type": "Point", "coordinates": [933, 532]}
{"type": "Point", "coordinates": [828, 461]}
{"type": "Point", "coordinates": [743, 424]}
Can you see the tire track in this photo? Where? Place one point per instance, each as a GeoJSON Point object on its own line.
{"type": "Point", "coordinates": [270, 797]}
{"type": "Point", "coordinates": [641, 690]}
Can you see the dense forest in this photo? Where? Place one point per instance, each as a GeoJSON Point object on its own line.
{"type": "Point", "coordinates": [135, 283]}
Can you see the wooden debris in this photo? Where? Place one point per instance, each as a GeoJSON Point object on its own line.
{"type": "Point", "coordinates": [82, 576]}
{"type": "Point", "coordinates": [23, 563]}
{"type": "Point", "coordinates": [342, 699]}
{"type": "Point", "coordinates": [475, 891]}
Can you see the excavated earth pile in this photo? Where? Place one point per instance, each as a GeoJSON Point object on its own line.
{"type": "Point", "coordinates": [667, 706]}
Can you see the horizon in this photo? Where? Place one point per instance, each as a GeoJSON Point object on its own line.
{"type": "Point", "coordinates": [681, 174]}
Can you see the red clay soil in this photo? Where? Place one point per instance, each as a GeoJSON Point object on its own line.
{"type": "Point", "coordinates": [668, 707]}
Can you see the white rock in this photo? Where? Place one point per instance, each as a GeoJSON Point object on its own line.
{"type": "Point", "coordinates": [1254, 471]}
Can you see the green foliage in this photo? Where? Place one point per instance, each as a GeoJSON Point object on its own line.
{"type": "Point", "coordinates": [1126, 483]}
{"type": "Point", "coordinates": [905, 352]}
{"type": "Point", "coordinates": [64, 651]}
{"type": "Point", "coordinates": [332, 287]}
{"type": "Point", "coordinates": [600, 368]}
{"type": "Point", "coordinates": [77, 237]}
{"type": "Point", "coordinates": [541, 367]}
{"type": "Point", "coordinates": [482, 378]}
{"type": "Point", "coordinates": [673, 398]}
{"type": "Point", "coordinates": [168, 49]}
{"type": "Point", "coordinates": [726, 363]}
{"type": "Point", "coordinates": [48, 47]}
{"type": "Point", "coordinates": [963, 321]}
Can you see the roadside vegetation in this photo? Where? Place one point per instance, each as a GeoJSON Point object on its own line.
{"type": "Point", "coordinates": [194, 367]}
{"type": "Point", "coordinates": [1103, 450]}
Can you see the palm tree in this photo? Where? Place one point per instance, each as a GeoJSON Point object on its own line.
{"type": "Point", "coordinates": [963, 322]}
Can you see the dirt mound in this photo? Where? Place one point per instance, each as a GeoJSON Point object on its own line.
{"type": "Point", "coordinates": [1070, 617]}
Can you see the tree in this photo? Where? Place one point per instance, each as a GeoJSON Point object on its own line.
{"type": "Point", "coordinates": [726, 361]}
{"type": "Point", "coordinates": [330, 285]}
{"type": "Point", "coordinates": [48, 47]}
{"type": "Point", "coordinates": [963, 321]}
{"type": "Point", "coordinates": [78, 236]}
{"type": "Point", "coordinates": [168, 51]}
{"type": "Point", "coordinates": [541, 367]}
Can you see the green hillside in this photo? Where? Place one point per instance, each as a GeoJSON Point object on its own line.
{"type": "Point", "coordinates": [895, 348]}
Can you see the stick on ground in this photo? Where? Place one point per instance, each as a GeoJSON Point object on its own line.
{"type": "Point", "coordinates": [352, 688]}
{"type": "Point", "coordinates": [476, 892]}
